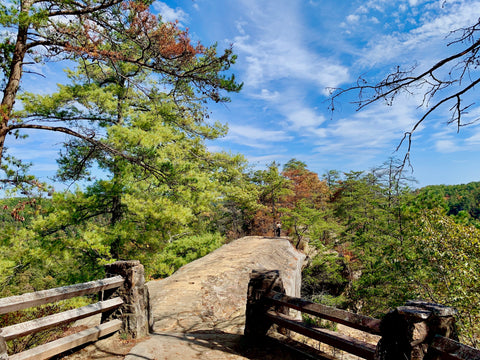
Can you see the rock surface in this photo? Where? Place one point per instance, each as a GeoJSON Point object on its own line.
{"type": "Point", "coordinates": [199, 311]}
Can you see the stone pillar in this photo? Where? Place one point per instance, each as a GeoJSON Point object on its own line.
{"type": "Point", "coordinates": [135, 311]}
{"type": "Point", "coordinates": [408, 330]}
{"type": "Point", "coordinates": [261, 282]}
{"type": "Point", "coordinates": [3, 348]}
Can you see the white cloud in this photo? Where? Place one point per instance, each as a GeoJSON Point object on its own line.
{"type": "Point", "coordinates": [301, 119]}
{"type": "Point", "coordinates": [169, 14]}
{"type": "Point", "coordinates": [240, 27]}
{"type": "Point", "coordinates": [267, 95]}
{"type": "Point", "coordinates": [446, 146]}
{"type": "Point", "coordinates": [305, 118]}
{"type": "Point", "coordinates": [274, 43]}
{"type": "Point", "coordinates": [473, 139]}
{"type": "Point", "coordinates": [371, 131]}
{"type": "Point", "coordinates": [420, 40]}
{"type": "Point", "coordinates": [255, 137]}
{"type": "Point", "coordinates": [353, 18]}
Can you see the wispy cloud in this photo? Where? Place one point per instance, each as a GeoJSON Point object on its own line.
{"type": "Point", "coordinates": [376, 129]}
{"type": "Point", "coordinates": [419, 41]}
{"type": "Point", "coordinates": [274, 44]}
{"type": "Point", "coordinates": [168, 13]}
{"type": "Point", "coordinates": [255, 137]}
{"type": "Point", "coordinates": [447, 146]}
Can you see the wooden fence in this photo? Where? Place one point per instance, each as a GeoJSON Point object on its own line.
{"type": "Point", "coordinates": [117, 306]}
{"type": "Point", "coordinates": [416, 331]}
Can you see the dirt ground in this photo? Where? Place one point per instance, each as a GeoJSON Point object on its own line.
{"type": "Point", "coordinates": [109, 348]}
{"type": "Point", "coordinates": [116, 348]}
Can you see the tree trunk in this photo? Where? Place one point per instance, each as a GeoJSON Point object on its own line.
{"type": "Point", "coordinates": [117, 213]}
{"type": "Point", "coordinates": [116, 210]}
{"type": "Point", "coordinates": [13, 83]}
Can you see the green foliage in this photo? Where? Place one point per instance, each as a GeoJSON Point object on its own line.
{"type": "Point", "coordinates": [394, 244]}
{"type": "Point", "coordinates": [319, 323]}
{"type": "Point", "coordinates": [459, 201]}
{"type": "Point", "coordinates": [451, 252]}
{"type": "Point", "coordinates": [272, 187]}
{"type": "Point", "coordinates": [325, 277]}
{"type": "Point", "coordinates": [28, 261]}
{"type": "Point", "coordinates": [234, 211]}
{"type": "Point", "coordinates": [181, 252]}
{"type": "Point", "coordinates": [127, 70]}
{"type": "Point", "coordinates": [376, 240]}
{"type": "Point", "coordinates": [160, 181]}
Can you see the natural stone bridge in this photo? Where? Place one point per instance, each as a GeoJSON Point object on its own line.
{"type": "Point", "coordinates": [199, 311]}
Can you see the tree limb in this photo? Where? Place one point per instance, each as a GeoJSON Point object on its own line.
{"type": "Point", "coordinates": [91, 140]}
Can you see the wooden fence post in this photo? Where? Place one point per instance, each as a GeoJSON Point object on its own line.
{"type": "Point", "coordinates": [3, 348]}
{"type": "Point", "coordinates": [408, 330]}
{"type": "Point", "coordinates": [135, 312]}
{"type": "Point", "coordinates": [261, 282]}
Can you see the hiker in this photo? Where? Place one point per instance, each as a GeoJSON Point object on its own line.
{"type": "Point", "coordinates": [278, 229]}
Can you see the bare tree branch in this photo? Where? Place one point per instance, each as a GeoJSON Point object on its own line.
{"type": "Point", "coordinates": [446, 82]}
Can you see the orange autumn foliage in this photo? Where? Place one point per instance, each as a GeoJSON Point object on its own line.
{"type": "Point", "coordinates": [156, 41]}
{"type": "Point", "coordinates": [306, 186]}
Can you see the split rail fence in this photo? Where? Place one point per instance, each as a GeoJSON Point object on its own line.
{"type": "Point", "coordinates": [416, 331]}
{"type": "Point", "coordinates": [115, 293]}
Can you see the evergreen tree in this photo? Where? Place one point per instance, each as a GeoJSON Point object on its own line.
{"type": "Point", "coordinates": [272, 188]}
{"type": "Point", "coordinates": [376, 241]}
{"type": "Point", "coordinates": [122, 35]}
{"type": "Point", "coordinates": [157, 184]}
{"type": "Point", "coordinates": [305, 211]}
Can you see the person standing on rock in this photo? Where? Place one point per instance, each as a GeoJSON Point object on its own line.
{"type": "Point", "coordinates": [278, 229]}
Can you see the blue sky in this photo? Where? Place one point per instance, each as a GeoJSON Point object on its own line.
{"type": "Point", "coordinates": [289, 53]}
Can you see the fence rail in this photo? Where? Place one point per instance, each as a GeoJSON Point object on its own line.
{"type": "Point", "coordinates": [20, 302]}
{"type": "Point", "coordinates": [356, 321]}
{"type": "Point", "coordinates": [449, 349]}
{"type": "Point", "coordinates": [433, 325]}
{"type": "Point", "coordinates": [115, 293]}
{"type": "Point", "coordinates": [339, 341]}
{"type": "Point", "coordinates": [333, 338]}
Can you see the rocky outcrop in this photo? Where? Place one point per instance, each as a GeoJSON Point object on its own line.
{"type": "Point", "coordinates": [199, 311]}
